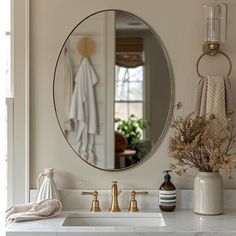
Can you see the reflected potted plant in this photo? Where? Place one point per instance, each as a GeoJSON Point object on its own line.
{"type": "Point", "coordinates": [195, 145]}
{"type": "Point", "coordinates": [132, 129]}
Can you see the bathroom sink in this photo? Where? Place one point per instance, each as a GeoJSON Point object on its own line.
{"type": "Point", "coordinates": [115, 220]}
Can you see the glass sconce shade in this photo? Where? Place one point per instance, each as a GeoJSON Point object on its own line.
{"type": "Point", "coordinates": [215, 19]}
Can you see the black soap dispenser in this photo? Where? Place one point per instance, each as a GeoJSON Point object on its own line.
{"type": "Point", "coordinates": [167, 194]}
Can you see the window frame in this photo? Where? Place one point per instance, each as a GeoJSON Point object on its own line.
{"type": "Point", "coordinates": [20, 72]}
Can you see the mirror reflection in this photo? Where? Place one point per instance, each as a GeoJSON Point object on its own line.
{"type": "Point", "coordinates": [112, 90]}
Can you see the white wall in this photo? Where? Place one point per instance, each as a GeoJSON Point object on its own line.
{"type": "Point", "coordinates": [179, 25]}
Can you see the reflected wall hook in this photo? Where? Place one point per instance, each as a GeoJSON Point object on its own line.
{"type": "Point", "coordinates": [86, 47]}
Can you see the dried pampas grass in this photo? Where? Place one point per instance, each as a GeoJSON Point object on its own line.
{"type": "Point", "coordinates": [194, 145]}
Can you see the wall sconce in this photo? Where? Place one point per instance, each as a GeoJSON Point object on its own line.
{"type": "Point", "coordinates": [215, 25]}
{"type": "Point", "coordinates": [215, 30]}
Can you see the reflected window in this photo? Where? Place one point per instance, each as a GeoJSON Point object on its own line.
{"type": "Point", "coordinates": [129, 93]}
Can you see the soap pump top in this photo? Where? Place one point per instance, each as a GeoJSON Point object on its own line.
{"type": "Point", "coordinates": [167, 176]}
{"type": "Point", "coordinates": [167, 185]}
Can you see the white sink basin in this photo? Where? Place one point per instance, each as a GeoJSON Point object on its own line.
{"type": "Point", "coordinates": [115, 220]}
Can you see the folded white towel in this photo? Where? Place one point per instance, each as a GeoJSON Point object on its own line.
{"type": "Point", "coordinates": [215, 103]}
{"type": "Point", "coordinates": [229, 98]}
{"type": "Point", "coordinates": [214, 96]}
{"type": "Point", "coordinates": [200, 98]}
{"type": "Point", "coordinates": [34, 211]}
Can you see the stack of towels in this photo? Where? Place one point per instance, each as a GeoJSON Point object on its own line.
{"type": "Point", "coordinates": [34, 211]}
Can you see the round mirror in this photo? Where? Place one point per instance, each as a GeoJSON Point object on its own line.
{"type": "Point", "coordinates": [112, 90]}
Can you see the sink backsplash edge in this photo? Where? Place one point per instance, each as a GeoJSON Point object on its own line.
{"type": "Point", "coordinates": [72, 199]}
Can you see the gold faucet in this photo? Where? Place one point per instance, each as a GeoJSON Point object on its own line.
{"type": "Point", "coordinates": [133, 203]}
{"type": "Point", "coordinates": [114, 194]}
{"type": "Point", "coordinates": [95, 203]}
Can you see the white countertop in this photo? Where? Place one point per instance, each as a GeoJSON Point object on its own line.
{"type": "Point", "coordinates": [179, 223]}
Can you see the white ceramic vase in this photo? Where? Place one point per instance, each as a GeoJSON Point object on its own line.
{"type": "Point", "coordinates": [47, 190]}
{"type": "Point", "coordinates": [208, 193]}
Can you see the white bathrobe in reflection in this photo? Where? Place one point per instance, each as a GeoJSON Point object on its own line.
{"type": "Point", "coordinates": [83, 109]}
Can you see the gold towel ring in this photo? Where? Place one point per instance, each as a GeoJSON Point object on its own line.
{"type": "Point", "coordinates": [210, 53]}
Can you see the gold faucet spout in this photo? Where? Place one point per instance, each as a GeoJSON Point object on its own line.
{"type": "Point", "coordinates": [114, 201]}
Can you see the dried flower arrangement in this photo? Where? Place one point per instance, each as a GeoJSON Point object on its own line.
{"type": "Point", "coordinates": [194, 145]}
